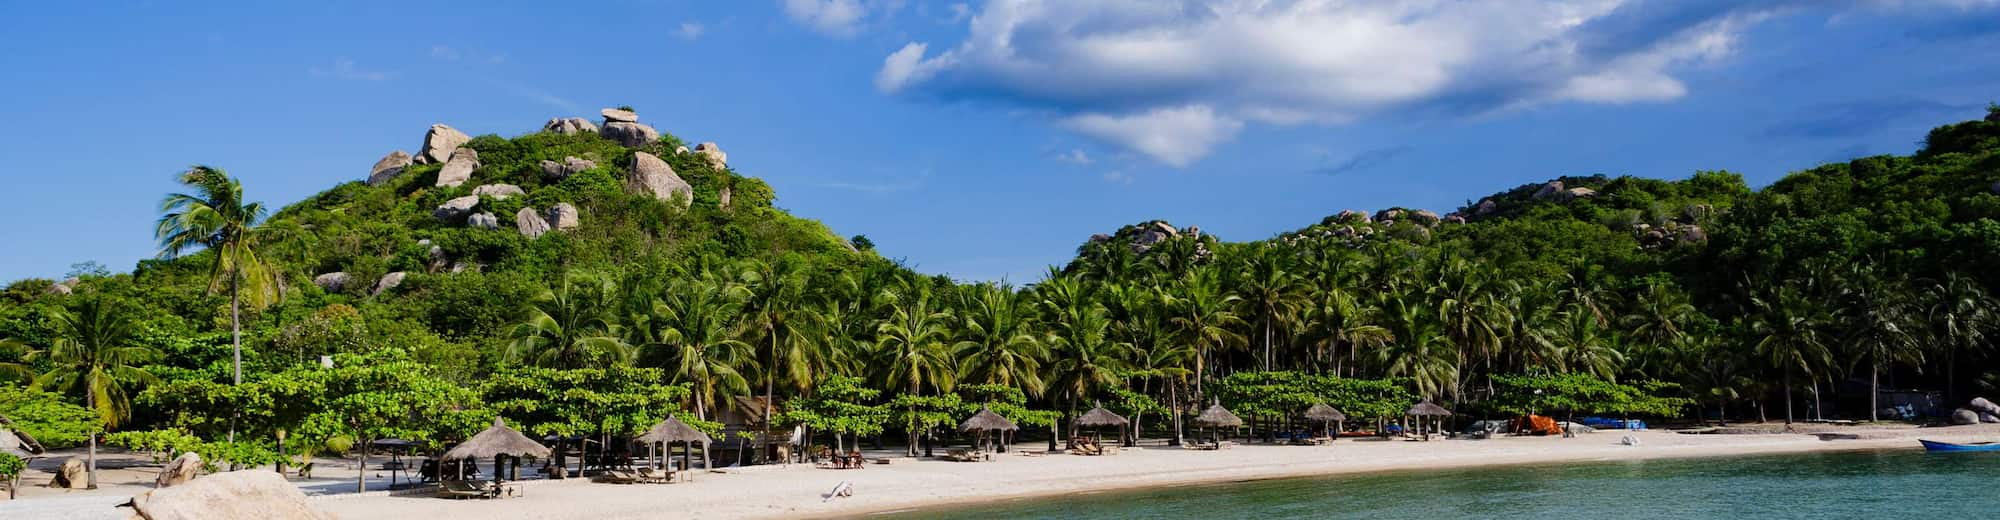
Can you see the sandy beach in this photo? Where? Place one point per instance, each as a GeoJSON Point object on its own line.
{"type": "Point", "coordinates": [800, 490]}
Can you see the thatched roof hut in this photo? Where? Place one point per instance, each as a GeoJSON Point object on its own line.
{"type": "Point", "coordinates": [1322, 412]}
{"type": "Point", "coordinates": [986, 420]}
{"type": "Point", "coordinates": [1217, 417]}
{"type": "Point", "coordinates": [1427, 409]}
{"type": "Point", "coordinates": [673, 430]}
{"type": "Point", "coordinates": [1100, 417]}
{"type": "Point", "coordinates": [496, 441]}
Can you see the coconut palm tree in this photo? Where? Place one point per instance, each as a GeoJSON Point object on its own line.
{"type": "Point", "coordinates": [1341, 321]}
{"type": "Point", "coordinates": [1879, 321]}
{"type": "Point", "coordinates": [1785, 325]}
{"type": "Point", "coordinates": [1961, 316]}
{"type": "Point", "coordinates": [696, 319]}
{"type": "Point", "coordinates": [570, 327]}
{"type": "Point", "coordinates": [912, 344]}
{"type": "Point", "coordinates": [1268, 294]}
{"type": "Point", "coordinates": [1086, 358]}
{"type": "Point", "coordinates": [999, 344]}
{"type": "Point", "coordinates": [93, 354]}
{"type": "Point", "coordinates": [1420, 351]}
{"type": "Point", "coordinates": [1657, 325]}
{"type": "Point", "coordinates": [214, 217]}
{"type": "Point", "coordinates": [781, 321]}
{"type": "Point", "coordinates": [1206, 318]}
{"type": "Point", "coordinates": [1586, 345]}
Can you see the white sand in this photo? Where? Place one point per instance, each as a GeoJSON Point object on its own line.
{"type": "Point", "coordinates": [799, 490]}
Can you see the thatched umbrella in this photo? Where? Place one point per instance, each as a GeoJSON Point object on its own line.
{"type": "Point", "coordinates": [986, 421]}
{"type": "Point", "coordinates": [1099, 417]}
{"type": "Point", "coordinates": [673, 430]}
{"type": "Point", "coordinates": [497, 441]}
{"type": "Point", "coordinates": [1215, 416]}
{"type": "Point", "coordinates": [1425, 409]}
{"type": "Point", "coordinates": [1326, 414]}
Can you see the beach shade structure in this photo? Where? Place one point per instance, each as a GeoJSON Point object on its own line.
{"type": "Point", "coordinates": [1099, 418]}
{"type": "Point", "coordinates": [1327, 415]}
{"type": "Point", "coordinates": [986, 422]}
{"type": "Point", "coordinates": [17, 443]}
{"type": "Point", "coordinates": [671, 431]}
{"type": "Point", "coordinates": [1215, 416]}
{"type": "Point", "coordinates": [396, 448]}
{"type": "Point", "coordinates": [1426, 410]}
{"type": "Point", "coordinates": [495, 442]}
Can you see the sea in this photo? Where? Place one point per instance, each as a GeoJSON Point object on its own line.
{"type": "Point", "coordinates": [1900, 484]}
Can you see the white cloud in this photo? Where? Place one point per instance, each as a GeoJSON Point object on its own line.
{"type": "Point", "coordinates": [1074, 156]}
{"type": "Point", "coordinates": [830, 17]}
{"type": "Point", "coordinates": [344, 68]}
{"type": "Point", "coordinates": [1176, 136]}
{"type": "Point", "coordinates": [444, 53]}
{"type": "Point", "coordinates": [1173, 79]}
{"type": "Point", "coordinates": [691, 30]}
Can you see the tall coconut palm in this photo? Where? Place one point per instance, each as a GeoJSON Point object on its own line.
{"type": "Point", "coordinates": [213, 216]}
{"type": "Point", "coordinates": [1961, 317]}
{"type": "Point", "coordinates": [1268, 294]}
{"type": "Point", "coordinates": [93, 355]}
{"type": "Point", "coordinates": [999, 344]}
{"type": "Point", "coordinates": [1420, 351]}
{"type": "Point", "coordinates": [1657, 324]}
{"type": "Point", "coordinates": [1086, 358]}
{"type": "Point", "coordinates": [1786, 328]}
{"type": "Point", "coordinates": [570, 326]}
{"type": "Point", "coordinates": [781, 321]}
{"type": "Point", "coordinates": [1586, 345]}
{"type": "Point", "coordinates": [696, 319]}
{"type": "Point", "coordinates": [1341, 321]}
{"type": "Point", "coordinates": [912, 344]}
{"type": "Point", "coordinates": [1878, 318]}
{"type": "Point", "coordinates": [1206, 318]}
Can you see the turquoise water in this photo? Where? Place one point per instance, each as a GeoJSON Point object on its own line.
{"type": "Point", "coordinates": [1867, 484]}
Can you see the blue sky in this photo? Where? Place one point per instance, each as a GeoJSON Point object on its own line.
{"type": "Point", "coordinates": [980, 139]}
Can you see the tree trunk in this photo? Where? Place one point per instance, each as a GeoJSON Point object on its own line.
{"type": "Point", "coordinates": [361, 471]}
{"type": "Point", "coordinates": [1267, 343]}
{"type": "Point", "coordinates": [1817, 407]}
{"type": "Point", "coordinates": [1174, 402]}
{"type": "Point", "coordinates": [1788, 396]}
{"type": "Point", "coordinates": [770, 379]}
{"type": "Point", "coordinates": [90, 468]}
{"type": "Point", "coordinates": [1874, 392]}
{"type": "Point", "coordinates": [911, 450]}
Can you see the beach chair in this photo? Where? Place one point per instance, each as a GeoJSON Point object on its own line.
{"type": "Point", "coordinates": [462, 489]}
{"type": "Point", "coordinates": [653, 476]}
{"type": "Point", "coordinates": [617, 476]}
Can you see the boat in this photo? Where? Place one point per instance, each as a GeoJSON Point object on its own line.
{"type": "Point", "coordinates": [1946, 446]}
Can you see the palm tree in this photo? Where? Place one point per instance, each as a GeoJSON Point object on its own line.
{"type": "Point", "coordinates": [1785, 325]}
{"type": "Point", "coordinates": [1960, 316]}
{"type": "Point", "coordinates": [1086, 358]}
{"type": "Point", "coordinates": [695, 320]}
{"type": "Point", "coordinates": [1339, 321]}
{"type": "Point", "coordinates": [213, 216]}
{"type": "Point", "coordinates": [570, 327]}
{"type": "Point", "coordinates": [93, 354]}
{"type": "Point", "coordinates": [781, 319]}
{"type": "Point", "coordinates": [1586, 346]}
{"type": "Point", "coordinates": [911, 345]}
{"type": "Point", "coordinates": [999, 345]}
{"type": "Point", "coordinates": [1877, 318]}
{"type": "Point", "coordinates": [1206, 318]}
{"type": "Point", "coordinates": [1420, 351]}
{"type": "Point", "coordinates": [1657, 326]}
{"type": "Point", "coordinates": [1268, 293]}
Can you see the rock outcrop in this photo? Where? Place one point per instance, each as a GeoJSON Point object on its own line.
{"type": "Point", "coordinates": [1388, 215]}
{"type": "Point", "coordinates": [564, 217]}
{"type": "Point", "coordinates": [713, 154]}
{"type": "Point", "coordinates": [653, 175]}
{"type": "Point", "coordinates": [498, 191]}
{"type": "Point", "coordinates": [388, 168]}
{"type": "Point", "coordinates": [530, 223]}
{"type": "Point", "coordinates": [1424, 217]}
{"type": "Point", "coordinates": [1353, 217]}
{"type": "Point", "coordinates": [459, 168]}
{"type": "Point", "coordinates": [233, 495]}
{"type": "Point", "coordinates": [483, 220]}
{"type": "Point", "coordinates": [562, 170]}
{"type": "Point", "coordinates": [71, 475]}
{"type": "Point", "coordinates": [388, 281]}
{"type": "Point", "coordinates": [1578, 193]}
{"type": "Point", "coordinates": [1485, 207]}
{"type": "Point", "coordinates": [1454, 219]}
{"type": "Point", "coordinates": [1549, 190]}
{"type": "Point", "coordinates": [722, 198]}
{"type": "Point", "coordinates": [570, 126]}
{"type": "Point", "coordinates": [1963, 417]}
{"type": "Point", "coordinates": [623, 126]}
{"type": "Point", "coordinates": [182, 470]}
{"type": "Point", "coordinates": [455, 209]}
{"type": "Point", "coordinates": [64, 288]}
{"type": "Point", "coordinates": [439, 143]}
{"type": "Point", "coordinates": [619, 115]}
{"type": "Point", "coordinates": [334, 281]}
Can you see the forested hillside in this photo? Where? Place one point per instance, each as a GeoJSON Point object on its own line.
{"type": "Point", "coordinates": [589, 279]}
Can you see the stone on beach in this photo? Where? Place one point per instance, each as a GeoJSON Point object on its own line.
{"type": "Point", "coordinates": [183, 469]}
{"type": "Point", "coordinates": [234, 495]}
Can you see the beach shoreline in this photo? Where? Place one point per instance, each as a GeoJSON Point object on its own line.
{"type": "Point", "coordinates": [798, 491]}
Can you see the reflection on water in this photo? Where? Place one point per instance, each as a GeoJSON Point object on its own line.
{"type": "Point", "coordinates": [1866, 484]}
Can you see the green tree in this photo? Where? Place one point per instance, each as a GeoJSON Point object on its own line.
{"type": "Point", "coordinates": [93, 355]}
{"type": "Point", "coordinates": [912, 350]}
{"type": "Point", "coordinates": [213, 216]}
{"type": "Point", "coordinates": [696, 320]}
{"type": "Point", "coordinates": [1000, 345]}
{"type": "Point", "coordinates": [1786, 329]}
{"type": "Point", "coordinates": [570, 327]}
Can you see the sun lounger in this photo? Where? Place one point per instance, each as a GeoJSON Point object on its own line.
{"type": "Point", "coordinates": [618, 477]}
{"type": "Point", "coordinates": [652, 476]}
{"type": "Point", "coordinates": [468, 489]}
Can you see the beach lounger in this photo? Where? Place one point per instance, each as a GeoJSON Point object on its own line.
{"type": "Point", "coordinates": [467, 489]}
{"type": "Point", "coordinates": [652, 476]}
{"type": "Point", "coordinates": [618, 477]}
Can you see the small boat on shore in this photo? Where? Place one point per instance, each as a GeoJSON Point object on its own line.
{"type": "Point", "coordinates": [1946, 446]}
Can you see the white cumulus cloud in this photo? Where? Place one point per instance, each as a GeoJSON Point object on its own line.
{"type": "Point", "coordinates": [830, 17]}
{"type": "Point", "coordinates": [1172, 79]}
